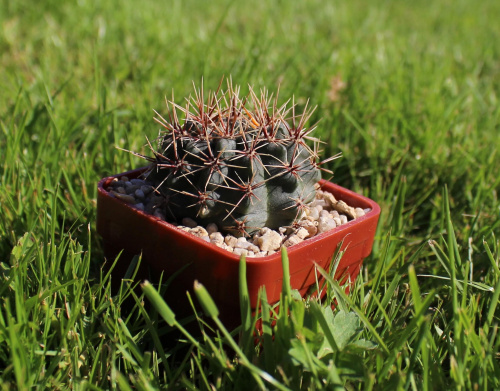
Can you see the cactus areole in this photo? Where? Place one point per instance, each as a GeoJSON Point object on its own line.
{"type": "Point", "coordinates": [242, 163]}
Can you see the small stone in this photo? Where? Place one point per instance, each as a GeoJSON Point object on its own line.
{"type": "Point", "coordinates": [340, 206]}
{"type": "Point", "coordinates": [343, 219]}
{"type": "Point", "coordinates": [124, 197]}
{"type": "Point", "coordinates": [200, 232]}
{"type": "Point", "coordinates": [330, 199]}
{"type": "Point", "coordinates": [264, 230]}
{"type": "Point", "coordinates": [359, 212]}
{"type": "Point", "coordinates": [216, 238]}
{"type": "Point", "coordinates": [302, 233]}
{"type": "Point", "coordinates": [311, 227]}
{"type": "Point", "coordinates": [140, 206]}
{"type": "Point", "coordinates": [230, 240]}
{"type": "Point", "coordinates": [189, 222]}
{"type": "Point", "coordinates": [255, 239]}
{"type": "Point", "coordinates": [121, 190]}
{"type": "Point", "coordinates": [335, 214]}
{"type": "Point", "coordinates": [146, 189]}
{"type": "Point", "coordinates": [137, 182]}
{"type": "Point", "coordinates": [313, 213]}
{"type": "Point", "coordinates": [240, 251]}
{"type": "Point", "coordinates": [124, 178]}
{"type": "Point", "coordinates": [246, 245]}
{"type": "Point", "coordinates": [319, 202]}
{"type": "Point", "coordinates": [293, 239]}
{"type": "Point", "coordinates": [211, 228]}
{"type": "Point", "coordinates": [337, 221]}
{"type": "Point", "coordinates": [324, 213]}
{"type": "Point", "coordinates": [269, 241]}
{"type": "Point", "coordinates": [206, 238]}
{"type": "Point", "coordinates": [131, 190]}
{"type": "Point", "coordinates": [326, 224]}
{"type": "Point", "coordinates": [139, 194]}
{"type": "Point", "coordinates": [367, 210]}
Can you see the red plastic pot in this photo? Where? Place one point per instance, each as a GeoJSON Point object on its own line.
{"type": "Point", "coordinates": [167, 249]}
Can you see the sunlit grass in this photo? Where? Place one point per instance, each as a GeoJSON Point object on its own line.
{"type": "Point", "coordinates": [408, 92]}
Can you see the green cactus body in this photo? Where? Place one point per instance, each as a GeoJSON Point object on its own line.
{"type": "Point", "coordinates": [239, 169]}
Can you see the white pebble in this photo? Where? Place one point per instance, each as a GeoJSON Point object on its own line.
{"type": "Point", "coordinates": [343, 219]}
{"type": "Point", "coordinates": [270, 240]}
{"type": "Point", "coordinates": [324, 213]}
{"type": "Point", "coordinates": [359, 212]}
{"type": "Point", "coordinates": [230, 240]}
{"type": "Point", "coordinates": [326, 224]}
{"type": "Point", "coordinates": [246, 245]}
{"type": "Point", "coordinates": [293, 239]}
{"type": "Point", "coordinates": [226, 247]}
{"type": "Point", "coordinates": [310, 226]}
{"type": "Point", "coordinates": [302, 233]}
{"type": "Point", "coordinates": [200, 232]}
{"type": "Point", "coordinates": [319, 202]}
{"type": "Point", "coordinates": [216, 238]}
{"type": "Point", "coordinates": [240, 251]}
{"type": "Point", "coordinates": [313, 213]}
{"type": "Point", "coordinates": [206, 238]}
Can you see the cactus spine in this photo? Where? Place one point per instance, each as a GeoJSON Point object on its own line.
{"type": "Point", "coordinates": [242, 163]}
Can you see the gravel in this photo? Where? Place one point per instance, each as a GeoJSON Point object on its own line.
{"type": "Point", "coordinates": [325, 213]}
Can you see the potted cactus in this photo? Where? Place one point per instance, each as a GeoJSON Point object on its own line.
{"type": "Point", "coordinates": [229, 175]}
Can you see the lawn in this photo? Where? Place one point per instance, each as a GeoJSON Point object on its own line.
{"type": "Point", "coordinates": [408, 92]}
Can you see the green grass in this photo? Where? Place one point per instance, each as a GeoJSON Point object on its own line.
{"type": "Point", "coordinates": [407, 91]}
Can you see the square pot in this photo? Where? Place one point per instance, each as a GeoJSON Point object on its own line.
{"type": "Point", "coordinates": [165, 248]}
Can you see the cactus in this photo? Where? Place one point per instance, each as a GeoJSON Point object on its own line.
{"type": "Point", "coordinates": [243, 164]}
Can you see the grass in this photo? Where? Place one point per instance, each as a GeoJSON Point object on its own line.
{"type": "Point", "coordinates": [408, 92]}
